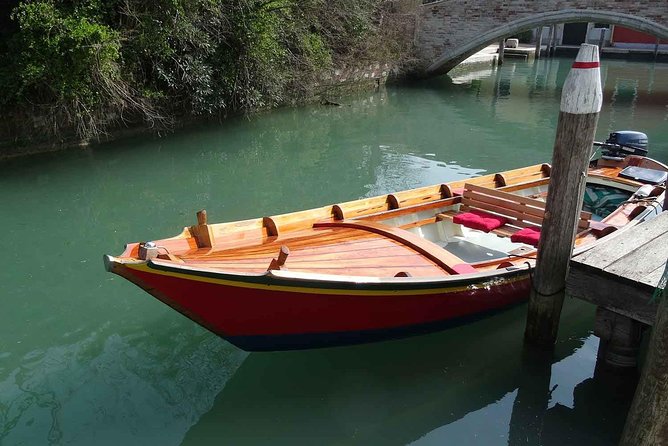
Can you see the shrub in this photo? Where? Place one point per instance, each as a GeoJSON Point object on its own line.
{"type": "Point", "coordinates": [77, 61]}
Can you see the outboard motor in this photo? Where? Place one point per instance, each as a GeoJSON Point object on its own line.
{"type": "Point", "coordinates": [623, 143]}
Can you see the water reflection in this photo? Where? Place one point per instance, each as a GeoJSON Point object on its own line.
{"type": "Point", "coordinates": [115, 389]}
{"type": "Point", "coordinates": [427, 390]}
{"type": "Point", "coordinates": [635, 96]}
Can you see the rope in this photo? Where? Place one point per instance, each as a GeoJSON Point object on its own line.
{"type": "Point", "coordinates": [531, 281]}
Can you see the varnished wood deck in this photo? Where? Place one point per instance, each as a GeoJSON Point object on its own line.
{"type": "Point", "coordinates": [341, 251]}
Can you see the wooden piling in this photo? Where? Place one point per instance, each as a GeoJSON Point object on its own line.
{"type": "Point", "coordinates": [620, 341]}
{"type": "Point", "coordinates": [580, 104]}
{"type": "Point", "coordinates": [502, 49]}
{"type": "Point", "coordinates": [550, 38]}
{"type": "Point", "coordinates": [539, 40]}
{"type": "Point", "coordinates": [647, 422]}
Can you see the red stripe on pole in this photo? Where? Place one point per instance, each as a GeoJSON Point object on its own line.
{"type": "Point", "coordinates": [586, 65]}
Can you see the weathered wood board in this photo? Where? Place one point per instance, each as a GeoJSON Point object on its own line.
{"type": "Point", "coordinates": [622, 273]}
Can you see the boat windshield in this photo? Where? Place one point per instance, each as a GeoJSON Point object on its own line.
{"type": "Point", "coordinates": [602, 200]}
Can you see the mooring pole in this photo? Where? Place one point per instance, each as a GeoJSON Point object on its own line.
{"type": "Point", "coordinates": [581, 99]}
{"type": "Point", "coordinates": [647, 422]}
{"type": "Point", "coordinates": [502, 49]}
{"type": "Point", "coordinates": [539, 41]}
{"type": "Point", "coordinates": [548, 51]}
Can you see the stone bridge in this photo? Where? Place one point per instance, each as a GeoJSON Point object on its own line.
{"type": "Point", "coordinates": [448, 31]}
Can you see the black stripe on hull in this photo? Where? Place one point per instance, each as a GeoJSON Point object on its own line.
{"type": "Point", "coordinates": [267, 343]}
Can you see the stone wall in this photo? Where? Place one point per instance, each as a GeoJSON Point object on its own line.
{"type": "Point", "coordinates": [374, 74]}
{"type": "Point", "coordinates": [26, 133]}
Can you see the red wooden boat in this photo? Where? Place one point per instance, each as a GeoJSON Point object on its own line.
{"type": "Point", "coordinates": [377, 268]}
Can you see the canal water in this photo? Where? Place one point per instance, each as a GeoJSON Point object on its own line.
{"type": "Point", "coordinates": [87, 358]}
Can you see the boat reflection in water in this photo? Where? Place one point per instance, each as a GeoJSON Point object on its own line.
{"type": "Point", "coordinates": [435, 389]}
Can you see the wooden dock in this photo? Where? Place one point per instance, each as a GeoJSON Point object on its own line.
{"type": "Point", "coordinates": [622, 273]}
{"type": "Point", "coordinates": [521, 52]}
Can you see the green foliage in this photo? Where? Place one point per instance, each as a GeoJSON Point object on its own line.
{"type": "Point", "coordinates": [61, 56]}
{"type": "Point", "coordinates": [89, 57]}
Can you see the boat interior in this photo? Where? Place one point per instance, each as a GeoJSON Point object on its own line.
{"type": "Point", "coordinates": [478, 225]}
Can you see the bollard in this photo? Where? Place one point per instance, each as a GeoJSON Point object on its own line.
{"type": "Point", "coordinates": [581, 99]}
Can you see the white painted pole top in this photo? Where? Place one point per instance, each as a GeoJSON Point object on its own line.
{"type": "Point", "coordinates": [582, 89]}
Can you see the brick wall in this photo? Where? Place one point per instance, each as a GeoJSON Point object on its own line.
{"type": "Point", "coordinates": [448, 30]}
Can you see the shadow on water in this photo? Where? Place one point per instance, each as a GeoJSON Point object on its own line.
{"type": "Point", "coordinates": [426, 390]}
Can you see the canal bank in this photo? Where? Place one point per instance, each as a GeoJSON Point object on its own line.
{"type": "Point", "coordinates": [86, 358]}
{"type": "Point", "coordinates": [339, 82]}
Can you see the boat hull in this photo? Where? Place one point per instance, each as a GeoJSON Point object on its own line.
{"type": "Point", "coordinates": [266, 313]}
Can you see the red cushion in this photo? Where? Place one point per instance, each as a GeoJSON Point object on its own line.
{"type": "Point", "coordinates": [530, 236]}
{"type": "Point", "coordinates": [480, 220]}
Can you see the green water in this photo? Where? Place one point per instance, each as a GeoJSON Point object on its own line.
{"type": "Point", "coordinates": [87, 358]}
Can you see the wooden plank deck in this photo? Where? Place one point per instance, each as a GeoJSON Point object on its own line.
{"type": "Point", "coordinates": [622, 273]}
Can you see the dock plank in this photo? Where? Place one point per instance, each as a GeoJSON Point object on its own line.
{"type": "Point", "coordinates": [616, 248]}
{"type": "Point", "coordinates": [642, 261]}
{"type": "Point", "coordinates": [656, 275]}
{"type": "Point", "coordinates": [622, 273]}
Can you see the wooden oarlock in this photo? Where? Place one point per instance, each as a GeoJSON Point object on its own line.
{"type": "Point", "coordinates": [581, 100]}
{"type": "Point", "coordinates": [278, 263]}
{"type": "Point", "coordinates": [202, 231]}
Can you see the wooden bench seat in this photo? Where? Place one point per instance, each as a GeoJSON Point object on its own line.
{"type": "Point", "coordinates": [523, 212]}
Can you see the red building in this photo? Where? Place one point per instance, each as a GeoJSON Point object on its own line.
{"type": "Point", "coordinates": [628, 38]}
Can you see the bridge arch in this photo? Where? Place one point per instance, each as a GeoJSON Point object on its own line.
{"type": "Point", "coordinates": [453, 56]}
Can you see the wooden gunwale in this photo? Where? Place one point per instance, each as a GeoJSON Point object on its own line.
{"type": "Point", "coordinates": [252, 243]}
{"type": "Point", "coordinates": [254, 252]}
{"type": "Point", "coordinates": [411, 209]}
{"type": "Point", "coordinates": [258, 229]}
